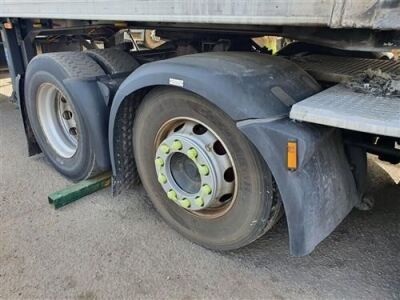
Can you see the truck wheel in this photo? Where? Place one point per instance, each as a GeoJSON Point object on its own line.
{"type": "Point", "coordinates": [201, 173]}
{"type": "Point", "coordinates": [58, 125]}
{"type": "Point", "coordinates": [113, 60]}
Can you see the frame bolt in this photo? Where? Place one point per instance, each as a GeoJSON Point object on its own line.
{"type": "Point", "coordinates": [177, 145]}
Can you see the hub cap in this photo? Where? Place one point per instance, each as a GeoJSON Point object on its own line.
{"type": "Point", "coordinates": [194, 167]}
{"type": "Point", "coordinates": [57, 119]}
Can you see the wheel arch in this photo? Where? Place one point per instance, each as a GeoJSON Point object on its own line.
{"type": "Point", "coordinates": [256, 91]}
{"type": "Point", "coordinates": [268, 85]}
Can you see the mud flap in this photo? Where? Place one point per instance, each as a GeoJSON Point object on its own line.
{"type": "Point", "coordinates": [33, 147]}
{"type": "Point", "coordinates": [321, 192]}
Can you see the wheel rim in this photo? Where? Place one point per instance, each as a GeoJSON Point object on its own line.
{"type": "Point", "coordinates": [57, 120]}
{"type": "Point", "coordinates": [195, 168]}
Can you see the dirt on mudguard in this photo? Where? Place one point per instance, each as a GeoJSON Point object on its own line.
{"type": "Point", "coordinates": [375, 82]}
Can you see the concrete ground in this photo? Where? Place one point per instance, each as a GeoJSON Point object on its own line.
{"type": "Point", "coordinates": [104, 247]}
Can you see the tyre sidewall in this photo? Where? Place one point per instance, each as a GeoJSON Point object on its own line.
{"type": "Point", "coordinates": [82, 161]}
{"type": "Point", "coordinates": [247, 218]}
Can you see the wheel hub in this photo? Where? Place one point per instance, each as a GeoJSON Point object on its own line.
{"type": "Point", "coordinates": [193, 169]}
{"type": "Point", "coordinates": [185, 173]}
{"type": "Point", "coordinates": [57, 119]}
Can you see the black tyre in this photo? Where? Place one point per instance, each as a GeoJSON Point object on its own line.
{"type": "Point", "coordinates": [211, 185]}
{"type": "Point", "coordinates": [58, 125]}
{"type": "Point", "coordinates": [113, 60]}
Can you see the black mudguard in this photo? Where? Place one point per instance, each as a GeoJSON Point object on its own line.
{"type": "Point", "coordinates": [321, 192]}
{"type": "Point", "coordinates": [95, 108]}
{"type": "Point", "coordinates": [244, 85]}
{"type": "Point", "coordinates": [96, 113]}
{"type": "Point", "coordinates": [98, 93]}
{"type": "Point", "coordinates": [257, 91]}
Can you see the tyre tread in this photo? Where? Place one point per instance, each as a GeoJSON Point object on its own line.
{"type": "Point", "coordinates": [113, 60]}
{"type": "Point", "coordinates": [75, 64]}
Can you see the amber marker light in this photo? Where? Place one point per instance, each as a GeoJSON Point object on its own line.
{"type": "Point", "coordinates": [292, 155]}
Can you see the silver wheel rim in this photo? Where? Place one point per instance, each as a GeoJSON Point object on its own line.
{"type": "Point", "coordinates": [56, 116]}
{"type": "Point", "coordinates": [185, 144]}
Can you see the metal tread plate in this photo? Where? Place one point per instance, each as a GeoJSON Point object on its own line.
{"type": "Point", "coordinates": [341, 107]}
{"type": "Point", "coordinates": [338, 69]}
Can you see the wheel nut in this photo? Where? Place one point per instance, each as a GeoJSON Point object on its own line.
{"type": "Point", "coordinates": [206, 189]}
{"type": "Point", "coordinates": [172, 195]}
{"type": "Point", "coordinates": [199, 201]}
{"type": "Point", "coordinates": [162, 179]}
{"type": "Point", "coordinates": [185, 203]}
{"type": "Point", "coordinates": [203, 169]}
{"type": "Point", "coordinates": [159, 162]}
{"type": "Point", "coordinates": [164, 148]}
{"type": "Point", "coordinates": [192, 153]}
{"type": "Point", "coordinates": [177, 145]}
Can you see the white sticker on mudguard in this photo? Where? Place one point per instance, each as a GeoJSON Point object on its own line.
{"type": "Point", "coordinates": [176, 82]}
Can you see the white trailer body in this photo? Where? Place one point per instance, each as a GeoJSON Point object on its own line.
{"type": "Point", "coordinates": [373, 14]}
